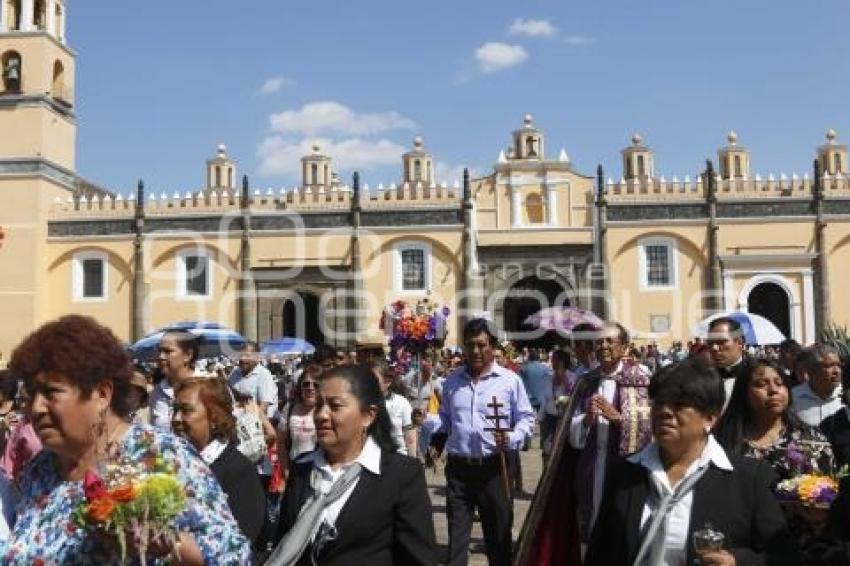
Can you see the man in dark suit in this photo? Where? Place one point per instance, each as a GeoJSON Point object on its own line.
{"type": "Point", "coordinates": [726, 346]}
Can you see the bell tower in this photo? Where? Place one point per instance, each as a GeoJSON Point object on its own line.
{"type": "Point", "coordinates": [221, 172]}
{"type": "Point", "coordinates": [37, 152]}
{"type": "Point", "coordinates": [418, 166]}
{"type": "Point", "coordinates": [734, 160]}
{"type": "Point", "coordinates": [637, 160]}
{"type": "Point", "coordinates": [528, 141]}
{"type": "Point", "coordinates": [833, 155]}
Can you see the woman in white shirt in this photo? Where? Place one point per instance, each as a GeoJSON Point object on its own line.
{"type": "Point", "coordinates": [671, 503]}
{"type": "Point", "coordinates": [398, 407]}
{"type": "Point", "coordinates": [296, 432]}
{"type": "Point", "coordinates": [355, 500]}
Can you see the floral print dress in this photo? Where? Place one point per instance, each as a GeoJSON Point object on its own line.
{"type": "Point", "coordinates": [45, 533]}
{"type": "Point", "coordinates": [798, 450]}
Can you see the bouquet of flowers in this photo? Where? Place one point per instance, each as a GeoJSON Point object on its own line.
{"type": "Point", "coordinates": [135, 499]}
{"type": "Point", "coordinates": [808, 490]}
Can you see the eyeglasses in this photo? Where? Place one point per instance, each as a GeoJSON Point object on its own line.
{"type": "Point", "coordinates": [309, 385]}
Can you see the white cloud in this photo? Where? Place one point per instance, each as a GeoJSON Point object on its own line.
{"type": "Point", "coordinates": [532, 28]}
{"type": "Point", "coordinates": [279, 156]}
{"type": "Point", "coordinates": [495, 56]}
{"type": "Point", "coordinates": [274, 84]}
{"type": "Point", "coordinates": [579, 40]}
{"type": "Point", "coordinates": [450, 173]}
{"type": "Point", "coordinates": [334, 118]}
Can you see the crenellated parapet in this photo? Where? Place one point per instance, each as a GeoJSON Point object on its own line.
{"type": "Point", "coordinates": [337, 198]}
{"type": "Point", "coordinates": [692, 189]}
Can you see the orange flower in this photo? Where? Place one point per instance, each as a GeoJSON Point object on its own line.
{"type": "Point", "coordinates": [123, 493]}
{"type": "Point", "coordinates": [101, 508]}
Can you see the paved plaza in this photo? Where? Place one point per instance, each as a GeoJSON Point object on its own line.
{"type": "Point", "coordinates": [532, 467]}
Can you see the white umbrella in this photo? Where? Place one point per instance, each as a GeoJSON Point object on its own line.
{"type": "Point", "coordinates": [757, 330]}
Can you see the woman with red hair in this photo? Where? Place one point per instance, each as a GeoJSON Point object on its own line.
{"type": "Point", "coordinates": [203, 415]}
{"type": "Point", "coordinates": [77, 378]}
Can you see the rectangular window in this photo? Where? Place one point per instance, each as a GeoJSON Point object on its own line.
{"type": "Point", "coordinates": [412, 269]}
{"type": "Point", "coordinates": [658, 266]}
{"type": "Point", "coordinates": [197, 280]}
{"type": "Point", "coordinates": [92, 279]}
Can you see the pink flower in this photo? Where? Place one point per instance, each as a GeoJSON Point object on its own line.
{"type": "Point", "coordinates": [93, 486]}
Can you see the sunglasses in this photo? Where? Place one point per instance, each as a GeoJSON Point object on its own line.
{"type": "Point", "coordinates": [309, 385]}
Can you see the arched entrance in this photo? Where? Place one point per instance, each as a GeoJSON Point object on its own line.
{"type": "Point", "coordinates": [526, 297]}
{"type": "Point", "coordinates": [771, 301]}
{"type": "Point", "coordinates": [301, 316]}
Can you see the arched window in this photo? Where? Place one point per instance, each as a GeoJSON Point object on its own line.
{"type": "Point", "coordinates": [57, 21]}
{"type": "Point", "coordinates": [641, 168]}
{"type": "Point", "coordinates": [13, 15]}
{"type": "Point", "coordinates": [58, 88]}
{"type": "Point", "coordinates": [530, 150]}
{"type": "Point", "coordinates": [314, 174]}
{"type": "Point", "coordinates": [738, 172]}
{"type": "Point", "coordinates": [836, 159]}
{"type": "Point", "coordinates": [534, 208]}
{"type": "Point", "coordinates": [218, 175]}
{"type": "Point", "coordinates": [12, 64]}
{"type": "Point", "coordinates": [417, 170]}
{"type": "Point", "coordinates": [40, 15]}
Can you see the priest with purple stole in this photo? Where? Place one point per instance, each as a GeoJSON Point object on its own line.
{"type": "Point", "coordinates": [609, 419]}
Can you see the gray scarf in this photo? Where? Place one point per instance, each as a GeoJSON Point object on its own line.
{"type": "Point", "coordinates": [290, 549]}
{"type": "Point", "coordinates": [651, 551]}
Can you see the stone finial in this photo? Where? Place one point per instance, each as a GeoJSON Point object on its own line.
{"type": "Point", "coordinates": [831, 136]}
{"type": "Point", "coordinates": [316, 149]}
{"type": "Point", "coordinates": [563, 157]}
{"type": "Point", "coordinates": [417, 143]}
{"type": "Point", "coordinates": [502, 158]}
{"type": "Point", "coordinates": [528, 120]}
{"type": "Point", "coordinates": [732, 137]}
{"type": "Point", "coordinates": [637, 139]}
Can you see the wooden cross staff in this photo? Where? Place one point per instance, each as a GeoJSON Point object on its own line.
{"type": "Point", "coordinates": [497, 417]}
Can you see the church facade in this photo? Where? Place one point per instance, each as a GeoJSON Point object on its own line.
{"type": "Point", "coordinates": [323, 259]}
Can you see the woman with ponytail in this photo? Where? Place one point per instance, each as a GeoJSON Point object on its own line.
{"type": "Point", "coordinates": [354, 500]}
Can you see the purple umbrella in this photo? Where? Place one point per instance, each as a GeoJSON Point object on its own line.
{"type": "Point", "coordinates": [563, 318]}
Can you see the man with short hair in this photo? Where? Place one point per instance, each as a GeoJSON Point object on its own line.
{"type": "Point", "coordinates": [473, 469]}
{"type": "Point", "coordinates": [726, 346]}
{"type": "Point", "coordinates": [820, 396]}
{"type": "Point", "coordinates": [253, 380]}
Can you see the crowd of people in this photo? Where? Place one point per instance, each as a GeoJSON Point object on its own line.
{"type": "Point", "coordinates": [320, 459]}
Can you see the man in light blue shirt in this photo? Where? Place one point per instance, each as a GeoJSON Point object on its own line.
{"type": "Point", "coordinates": [473, 471]}
{"type": "Point", "coordinates": [535, 375]}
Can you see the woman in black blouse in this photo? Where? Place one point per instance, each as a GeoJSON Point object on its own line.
{"type": "Point", "coordinates": [355, 500]}
{"type": "Point", "coordinates": [203, 415]}
{"type": "Point", "coordinates": [759, 423]}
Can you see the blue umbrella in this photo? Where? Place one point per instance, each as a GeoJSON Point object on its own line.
{"type": "Point", "coordinates": [286, 345]}
{"type": "Point", "coordinates": [757, 329]}
{"type": "Point", "coordinates": [216, 340]}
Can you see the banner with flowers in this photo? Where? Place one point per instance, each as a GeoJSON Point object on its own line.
{"type": "Point", "coordinates": [413, 329]}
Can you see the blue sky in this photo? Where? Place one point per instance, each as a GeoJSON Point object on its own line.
{"type": "Point", "coordinates": [161, 83]}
